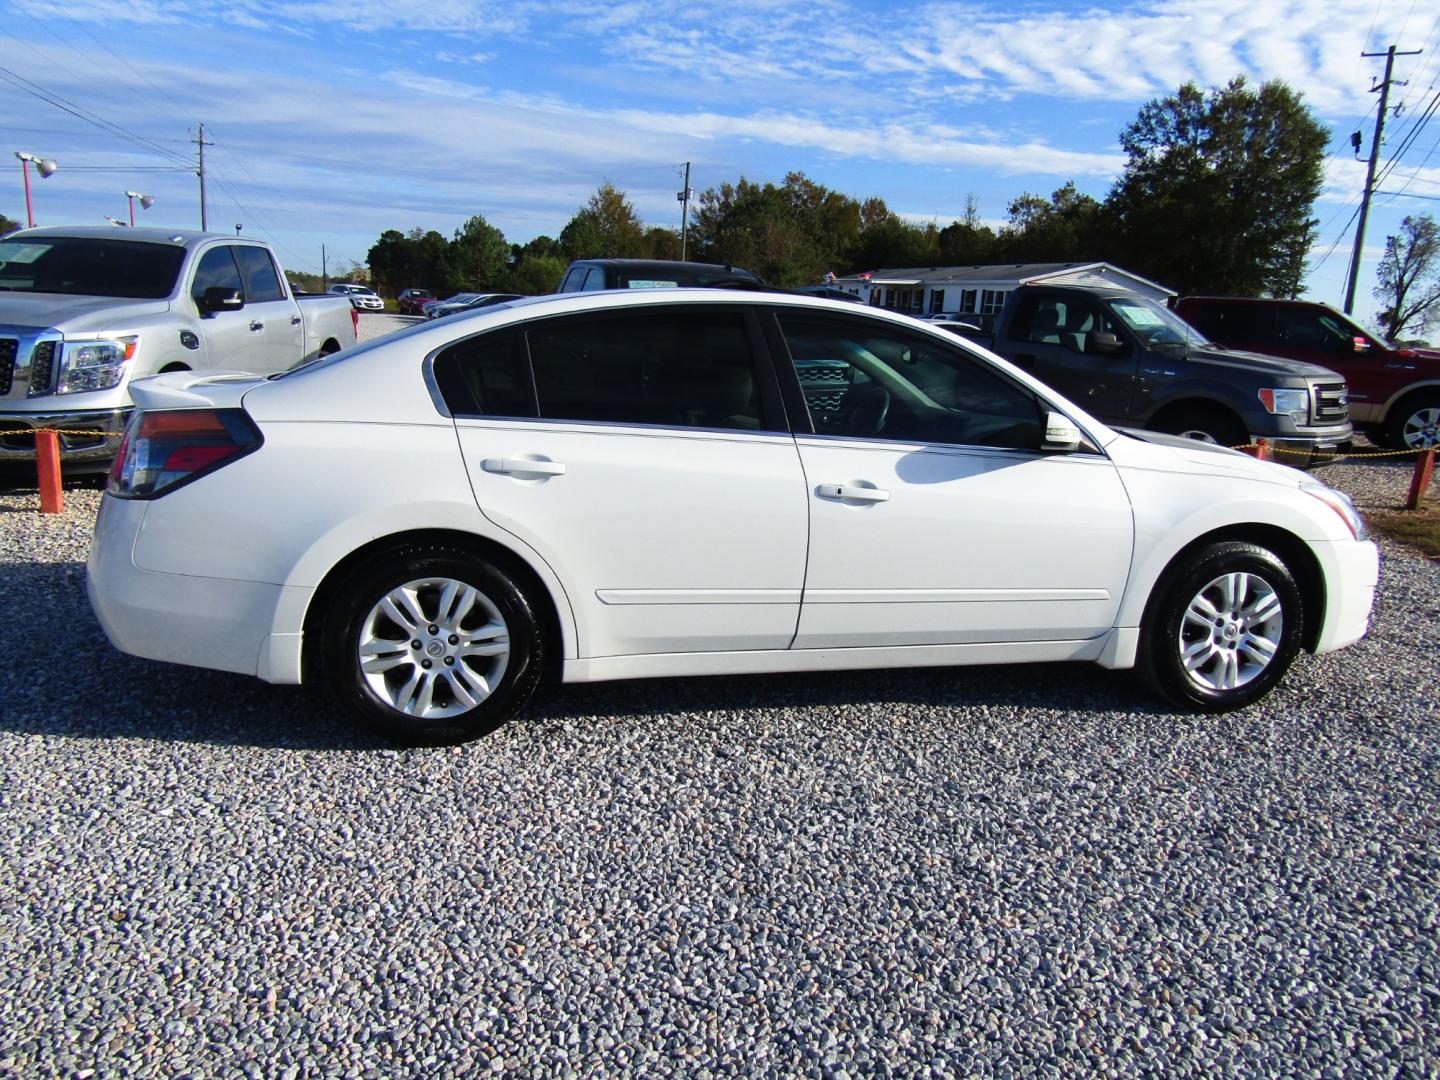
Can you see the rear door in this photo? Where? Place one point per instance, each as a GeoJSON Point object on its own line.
{"type": "Point", "coordinates": [274, 316]}
{"type": "Point", "coordinates": [643, 454]}
{"type": "Point", "coordinates": [934, 517]}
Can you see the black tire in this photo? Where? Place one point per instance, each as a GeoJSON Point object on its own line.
{"type": "Point", "coordinates": [1169, 629]}
{"type": "Point", "coordinates": [1411, 424]}
{"type": "Point", "coordinates": [330, 348]}
{"type": "Point", "coordinates": [1204, 423]}
{"type": "Point", "coordinates": [371, 697]}
{"type": "Point", "coordinates": [172, 367]}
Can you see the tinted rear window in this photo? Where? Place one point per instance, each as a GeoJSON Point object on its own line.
{"type": "Point", "coordinates": [82, 266]}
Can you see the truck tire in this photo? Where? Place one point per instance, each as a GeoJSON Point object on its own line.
{"type": "Point", "coordinates": [1222, 627]}
{"type": "Point", "coordinates": [1204, 423]}
{"type": "Point", "coordinates": [1414, 423]}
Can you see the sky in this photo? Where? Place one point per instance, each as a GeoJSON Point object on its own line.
{"type": "Point", "coordinates": [333, 121]}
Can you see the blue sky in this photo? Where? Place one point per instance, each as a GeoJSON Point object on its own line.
{"type": "Point", "coordinates": [336, 120]}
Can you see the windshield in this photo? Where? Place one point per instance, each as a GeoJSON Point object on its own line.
{"type": "Point", "coordinates": [84, 266]}
{"type": "Point", "coordinates": [1153, 324]}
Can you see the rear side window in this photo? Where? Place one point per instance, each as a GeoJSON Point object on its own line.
{"type": "Point", "coordinates": [573, 277]}
{"type": "Point", "coordinates": [680, 368]}
{"type": "Point", "coordinates": [262, 283]}
{"type": "Point", "coordinates": [217, 270]}
{"type": "Point", "coordinates": [486, 376]}
{"type": "Point", "coordinates": [594, 279]}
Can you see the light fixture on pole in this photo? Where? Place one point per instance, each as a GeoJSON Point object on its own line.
{"type": "Point", "coordinates": [44, 166]}
{"type": "Point", "coordinates": [146, 201]}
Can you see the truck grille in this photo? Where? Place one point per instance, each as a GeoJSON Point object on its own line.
{"type": "Point", "coordinates": [42, 368]}
{"type": "Point", "coordinates": [1331, 403]}
{"type": "Point", "coordinates": [8, 348]}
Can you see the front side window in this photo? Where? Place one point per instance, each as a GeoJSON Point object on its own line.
{"type": "Point", "coordinates": [262, 282]}
{"type": "Point", "coordinates": [217, 270]}
{"type": "Point", "coordinates": [864, 381]}
{"type": "Point", "coordinates": [594, 280]}
{"type": "Point", "coordinates": [677, 367]}
{"type": "Point", "coordinates": [486, 376]}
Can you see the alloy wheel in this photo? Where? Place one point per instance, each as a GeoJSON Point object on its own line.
{"type": "Point", "coordinates": [1231, 631]}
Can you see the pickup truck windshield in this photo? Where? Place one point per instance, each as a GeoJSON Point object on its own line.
{"type": "Point", "coordinates": [1155, 325]}
{"type": "Point", "coordinates": [85, 266]}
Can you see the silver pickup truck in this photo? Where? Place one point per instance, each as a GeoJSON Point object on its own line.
{"type": "Point", "coordinates": [83, 311]}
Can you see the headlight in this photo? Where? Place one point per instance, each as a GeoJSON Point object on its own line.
{"type": "Point", "coordinates": [1342, 505]}
{"type": "Point", "coordinates": [1294, 402]}
{"type": "Point", "coordinates": [93, 365]}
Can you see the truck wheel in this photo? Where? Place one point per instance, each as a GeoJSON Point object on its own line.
{"type": "Point", "coordinates": [1222, 627]}
{"type": "Point", "coordinates": [1414, 424]}
{"type": "Point", "coordinates": [429, 645]}
{"type": "Point", "coordinates": [330, 347]}
{"type": "Point", "coordinates": [1204, 423]}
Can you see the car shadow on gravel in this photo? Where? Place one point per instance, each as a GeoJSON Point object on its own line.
{"type": "Point", "coordinates": [81, 687]}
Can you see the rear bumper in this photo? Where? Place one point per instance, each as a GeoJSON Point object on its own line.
{"type": "Point", "coordinates": [217, 623]}
{"type": "Point", "coordinates": [104, 428]}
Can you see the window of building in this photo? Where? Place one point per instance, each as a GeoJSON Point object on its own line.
{"type": "Point", "coordinates": [991, 301]}
{"type": "Point", "coordinates": [967, 301]}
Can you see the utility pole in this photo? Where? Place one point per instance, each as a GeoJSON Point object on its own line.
{"type": "Point", "coordinates": [200, 172]}
{"type": "Point", "coordinates": [684, 198]}
{"type": "Point", "coordinates": [1384, 89]}
{"type": "Point", "coordinates": [324, 271]}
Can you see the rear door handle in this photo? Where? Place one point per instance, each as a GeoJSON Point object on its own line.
{"type": "Point", "coordinates": [523, 467]}
{"type": "Point", "coordinates": [257, 326]}
{"type": "Point", "coordinates": [852, 492]}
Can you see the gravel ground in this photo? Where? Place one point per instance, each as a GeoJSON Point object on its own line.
{"type": "Point", "coordinates": [1004, 871]}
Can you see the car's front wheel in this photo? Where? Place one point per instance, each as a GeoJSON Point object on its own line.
{"type": "Point", "coordinates": [1222, 628]}
{"type": "Point", "coordinates": [427, 643]}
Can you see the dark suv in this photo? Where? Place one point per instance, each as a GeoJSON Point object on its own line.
{"type": "Point", "coordinates": [1394, 391]}
{"type": "Point", "coordinates": [588, 274]}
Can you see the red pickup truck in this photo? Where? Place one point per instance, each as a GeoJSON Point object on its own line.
{"type": "Point", "coordinates": [1394, 392]}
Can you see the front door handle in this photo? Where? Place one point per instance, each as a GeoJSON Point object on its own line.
{"type": "Point", "coordinates": [295, 320]}
{"type": "Point", "coordinates": [257, 326]}
{"type": "Point", "coordinates": [523, 467]}
{"type": "Point", "coordinates": [853, 492]}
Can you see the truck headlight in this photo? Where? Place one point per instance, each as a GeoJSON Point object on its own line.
{"type": "Point", "coordinates": [1294, 402]}
{"type": "Point", "coordinates": [93, 365]}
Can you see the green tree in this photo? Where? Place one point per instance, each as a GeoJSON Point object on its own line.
{"type": "Point", "coordinates": [607, 226]}
{"type": "Point", "coordinates": [1068, 227]}
{"type": "Point", "coordinates": [1217, 192]}
{"type": "Point", "coordinates": [535, 275]}
{"type": "Point", "coordinates": [1408, 280]}
{"type": "Point", "coordinates": [661, 243]}
{"type": "Point", "coordinates": [478, 256]}
{"type": "Point", "coordinates": [967, 242]}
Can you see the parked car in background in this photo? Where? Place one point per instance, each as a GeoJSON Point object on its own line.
{"type": "Point", "coordinates": [1394, 390]}
{"type": "Point", "coordinates": [412, 301]}
{"type": "Point", "coordinates": [655, 483]}
{"type": "Point", "coordinates": [84, 311]}
{"type": "Point", "coordinates": [1133, 362]}
{"type": "Point", "coordinates": [585, 275]}
{"type": "Point", "coordinates": [429, 307]}
{"type": "Point", "coordinates": [473, 300]}
{"type": "Point", "coordinates": [362, 297]}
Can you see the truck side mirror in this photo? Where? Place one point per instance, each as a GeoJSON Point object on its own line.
{"type": "Point", "coordinates": [1060, 434]}
{"type": "Point", "coordinates": [1103, 341]}
{"type": "Point", "coordinates": [218, 298]}
{"type": "Point", "coordinates": [1359, 344]}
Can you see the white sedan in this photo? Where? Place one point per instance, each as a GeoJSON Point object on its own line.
{"type": "Point", "coordinates": [361, 297]}
{"type": "Point", "coordinates": [689, 482]}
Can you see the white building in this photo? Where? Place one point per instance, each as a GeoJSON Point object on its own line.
{"type": "Point", "coordinates": [977, 293]}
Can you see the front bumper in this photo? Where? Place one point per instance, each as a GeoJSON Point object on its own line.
{"type": "Point", "coordinates": [85, 436]}
{"type": "Point", "coordinates": [1352, 572]}
{"type": "Point", "coordinates": [1310, 449]}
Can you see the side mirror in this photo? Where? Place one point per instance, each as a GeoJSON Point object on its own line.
{"type": "Point", "coordinates": [1102, 341]}
{"type": "Point", "coordinates": [1060, 434]}
{"type": "Point", "coordinates": [1359, 344]}
{"type": "Point", "coordinates": [218, 298]}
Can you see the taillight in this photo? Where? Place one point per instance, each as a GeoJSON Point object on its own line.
{"type": "Point", "coordinates": [163, 450]}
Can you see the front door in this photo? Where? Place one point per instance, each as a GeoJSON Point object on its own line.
{"type": "Point", "coordinates": [935, 518]}
{"type": "Point", "coordinates": [648, 464]}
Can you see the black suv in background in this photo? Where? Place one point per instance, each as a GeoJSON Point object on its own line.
{"type": "Point", "coordinates": [587, 274]}
{"type": "Point", "coordinates": [1131, 362]}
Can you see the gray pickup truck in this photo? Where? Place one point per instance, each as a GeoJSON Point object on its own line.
{"type": "Point", "coordinates": [85, 311]}
{"type": "Point", "coordinates": [1132, 362]}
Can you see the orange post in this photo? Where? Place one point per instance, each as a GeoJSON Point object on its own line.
{"type": "Point", "coordinates": [1259, 449]}
{"type": "Point", "coordinates": [47, 464]}
{"type": "Point", "coordinates": [1424, 470]}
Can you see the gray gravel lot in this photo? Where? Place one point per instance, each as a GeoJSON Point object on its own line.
{"type": "Point", "coordinates": [1005, 871]}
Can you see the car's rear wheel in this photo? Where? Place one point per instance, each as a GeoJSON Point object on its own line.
{"type": "Point", "coordinates": [429, 644]}
{"type": "Point", "coordinates": [1222, 628]}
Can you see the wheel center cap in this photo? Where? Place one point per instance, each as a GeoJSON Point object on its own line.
{"type": "Point", "coordinates": [435, 648]}
{"type": "Point", "coordinates": [1232, 631]}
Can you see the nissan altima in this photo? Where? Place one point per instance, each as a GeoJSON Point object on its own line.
{"type": "Point", "coordinates": [615, 485]}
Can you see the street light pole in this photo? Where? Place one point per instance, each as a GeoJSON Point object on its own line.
{"type": "Point", "coordinates": [43, 166]}
{"type": "Point", "coordinates": [146, 201]}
